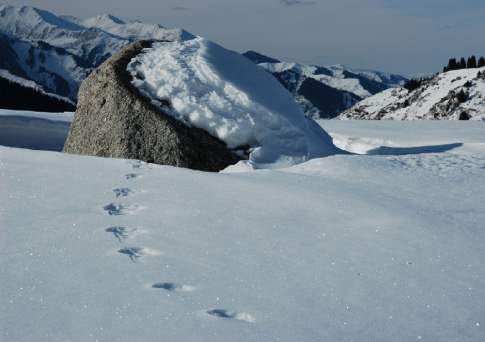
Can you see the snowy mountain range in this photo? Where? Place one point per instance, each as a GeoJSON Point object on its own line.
{"type": "Point", "coordinates": [453, 95]}
{"type": "Point", "coordinates": [58, 52]}
{"type": "Point", "coordinates": [324, 92]}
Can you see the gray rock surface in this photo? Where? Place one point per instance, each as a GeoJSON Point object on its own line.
{"type": "Point", "coordinates": [114, 120]}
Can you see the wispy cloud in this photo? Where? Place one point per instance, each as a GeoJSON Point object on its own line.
{"type": "Point", "coordinates": [180, 8]}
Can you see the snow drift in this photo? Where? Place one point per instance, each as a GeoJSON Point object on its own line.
{"type": "Point", "coordinates": [202, 84]}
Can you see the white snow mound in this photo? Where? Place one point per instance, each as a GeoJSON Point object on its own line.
{"type": "Point", "coordinates": [224, 93]}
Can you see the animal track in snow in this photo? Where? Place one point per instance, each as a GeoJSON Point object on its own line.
{"type": "Point", "coordinates": [132, 175]}
{"type": "Point", "coordinates": [115, 209]}
{"type": "Point", "coordinates": [138, 164]}
{"type": "Point", "coordinates": [134, 253]}
{"type": "Point", "coordinates": [173, 287]}
{"type": "Point", "coordinates": [121, 233]}
{"type": "Point", "coordinates": [239, 316]}
{"type": "Point", "coordinates": [123, 192]}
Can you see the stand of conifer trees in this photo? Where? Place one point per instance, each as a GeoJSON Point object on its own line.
{"type": "Point", "coordinates": [470, 63]}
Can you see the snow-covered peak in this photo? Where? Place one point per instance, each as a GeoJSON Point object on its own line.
{"type": "Point", "coordinates": [230, 97]}
{"type": "Point", "coordinates": [285, 66]}
{"type": "Point", "coordinates": [31, 22]}
{"type": "Point", "coordinates": [104, 19]}
{"type": "Point", "coordinates": [458, 94]}
{"type": "Point", "coordinates": [333, 76]}
{"type": "Point", "coordinates": [57, 52]}
{"type": "Point", "coordinates": [70, 33]}
{"type": "Point", "coordinates": [390, 79]}
{"type": "Point", "coordinates": [326, 91]}
{"type": "Point", "coordinates": [134, 30]}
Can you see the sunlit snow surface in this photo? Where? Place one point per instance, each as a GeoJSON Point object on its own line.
{"type": "Point", "coordinates": [230, 97]}
{"type": "Point", "coordinates": [349, 247]}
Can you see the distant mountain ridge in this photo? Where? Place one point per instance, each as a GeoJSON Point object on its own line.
{"type": "Point", "coordinates": [324, 92]}
{"type": "Point", "coordinates": [57, 53]}
{"type": "Point", "coordinates": [452, 95]}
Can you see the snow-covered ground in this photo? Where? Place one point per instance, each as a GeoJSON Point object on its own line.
{"type": "Point", "coordinates": [362, 137]}
{"type": "Point", "coordinates": [343, 248]}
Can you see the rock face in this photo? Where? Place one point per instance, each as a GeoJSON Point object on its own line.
{"type": "Point", "coordinates": [113, 120]}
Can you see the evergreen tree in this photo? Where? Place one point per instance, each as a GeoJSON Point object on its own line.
{"type": "Point", "coordinates": [481, 62]}
{"type": "Point", "coordinates": [472, 62]}
{"type": "Point", "coordinates": [462, 63]}
{"type": "Point", "coordinates": [452, 65]}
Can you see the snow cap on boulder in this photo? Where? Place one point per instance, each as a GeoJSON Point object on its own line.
{"type": "Point", "coordinates": [190, 103]}
{"type": "Point", "coordinates": [220, 91]}
{"type": "Point", "coordinates": [113, 120]}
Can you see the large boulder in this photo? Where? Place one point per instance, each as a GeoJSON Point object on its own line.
{"type": "Point", "coordinates": [114, 120]}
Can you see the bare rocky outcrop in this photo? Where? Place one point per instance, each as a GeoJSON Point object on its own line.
{"type": "Point", "coordinates": [114, 120]}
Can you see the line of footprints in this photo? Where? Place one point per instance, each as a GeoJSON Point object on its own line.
{"type": "Point", "coordinates": [134, 253]}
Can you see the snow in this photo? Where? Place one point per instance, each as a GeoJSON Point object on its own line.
{"type": "Point", "coordinates": [33, 130]}
{"type": "Point", "coordinates": [134, 30]}
{"type": "Point", "coordinates": [362, 137]}
{"type": "Point", "coordinates": [347, 247]}
{"type": "Point", "coordinates": [22, 81]}
{"type": "Point", "coordinates": [336, 80]}
{"type": "Point", "coordinates": [423, 102]}
{"type": "Point", "coordinates": [59, 52]}
{"type": "Point", "coordinates": [32, 18]}
{"type": "Point", "coordinates": [336, 77]}
{"type": "Point", "coordinates": [228, 96]}
{"type": "Point", "coordinates": [79, 36]}
{"type": "Point", "coordinates": [62, 117]}
{"type": "Point", "coordinates": [30, 84]}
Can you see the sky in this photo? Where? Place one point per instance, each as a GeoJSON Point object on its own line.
{"type": "Point", "coordinates": [410, 37]}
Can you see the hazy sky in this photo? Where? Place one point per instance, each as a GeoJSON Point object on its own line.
{"type": "Point", "coordinates": [403, 36]}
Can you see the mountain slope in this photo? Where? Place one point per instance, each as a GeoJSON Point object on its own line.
{"type": "Point", "coordinates": [324, 92]}
{"type": "Point", "coordinates": [452, 95]}
{"type": "Point", "coordinates": [20, 94]}
{"type": "Point", "coordinates": [59, 52]}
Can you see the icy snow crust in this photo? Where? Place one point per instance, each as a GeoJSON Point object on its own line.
{"type": "Point", "coordinates": [234, 100]}
{"type": "Point", "coordinates": [343, 248]}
